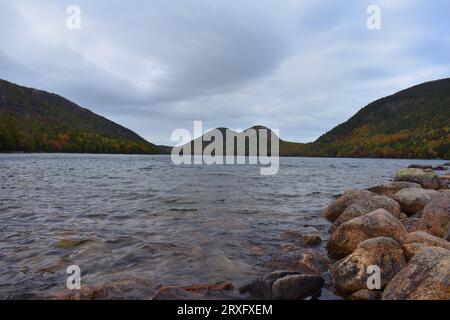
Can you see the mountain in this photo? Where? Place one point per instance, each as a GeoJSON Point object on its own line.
{"type": "Point", "coordinates": [229, 136]}
{"type": "Point", "coordinates": [37, 121]}
{"type": "Point", "coordinates": [413, 123]}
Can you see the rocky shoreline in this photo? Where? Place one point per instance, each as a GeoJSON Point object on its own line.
{"type": "Point", "coordinates": [401, 229]}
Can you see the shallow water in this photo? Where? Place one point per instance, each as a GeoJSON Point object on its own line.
{"type": "Point", "coordinates": [142, 222]}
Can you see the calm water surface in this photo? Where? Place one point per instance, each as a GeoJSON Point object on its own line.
{"type": "Point", "coordinates": [141, 222]}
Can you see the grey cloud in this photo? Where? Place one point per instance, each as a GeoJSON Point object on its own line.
{"type": "Point", "coordinates": [299, 66]}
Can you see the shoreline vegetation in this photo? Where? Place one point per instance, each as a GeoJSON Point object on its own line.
{"type": "Point", "coordinates": [410, 124]}
{"type": "Point", "coordinates": [168, 154]}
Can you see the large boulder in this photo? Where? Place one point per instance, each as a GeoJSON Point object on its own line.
{"type": "Point", "coordinates": [426, 277]}
{"type": "Point", "coordinates": [296, 287]}
{"type": "Point", "coordinates": [427, 179]}
{"type": "Point", "coordinates": [428, 239]}
{"type": "Point", "coordinates": [334, 210]}
{"type": "Point", "coordinates": [284, 285]}
{"type": "Point", "coordinates": [350, 274]}
{"type": "Point", "coordinates": [369, 205]}
{"type": "Point", "coordinates": [413, 200]}
{"type": "Point", "coordinates": [436, 216]}
{"type": "Point", "coordinates": [390, 189]}
{"type": "Point", "coordinates": [348, 235]}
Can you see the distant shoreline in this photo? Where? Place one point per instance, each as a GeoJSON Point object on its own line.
{"type": "Point", "coordinates": [167, 154]}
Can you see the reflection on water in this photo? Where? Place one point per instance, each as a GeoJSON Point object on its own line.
{"type": "Point", "coordinates": [144, 222]}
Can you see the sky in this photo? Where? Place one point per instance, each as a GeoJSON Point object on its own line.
{"type": "Point", "coordinates": [155, 66]}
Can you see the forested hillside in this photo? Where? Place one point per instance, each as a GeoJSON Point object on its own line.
{"type": "Point", "coordinates": [414, 123]}
{"type": "Point", "coordinates": [37, 121]}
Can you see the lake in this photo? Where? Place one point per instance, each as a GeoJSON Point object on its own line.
{"type": "Point", "coordinates": [141, 222]}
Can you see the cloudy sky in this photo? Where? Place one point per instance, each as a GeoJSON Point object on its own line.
{"type": "Point", "coordinates": [154, 66]}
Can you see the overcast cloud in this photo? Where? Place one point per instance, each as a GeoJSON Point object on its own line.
{"type": "Point", "coordinates": [154, 66]}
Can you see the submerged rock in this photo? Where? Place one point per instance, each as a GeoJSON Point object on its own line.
{"type": "Point", "coordinates": [390, 189]}
{"type": "Point", "coordinates": [196, 292]}
{"type": "Point", "coordinates": [426, 277]}
{"type": "Point", "coordinates": [284, 285]}
{"type": "Point", "coordinates": [379, 223]}
{"type": "Point", "coordinates": [306, 261]}
{"type": "Point", "coordinates": [350, 274]}
{"type": "Point", "coordinates": [366, 295]}
{"type": "Point", "coordinates": [428, 180]}
{"type": "Point", "coordinates": [335, 209]}
{"type": "Point", "coordinates": [310, 239]}
{"type": "Point", "coordinates": [223, 286]}
{"type": "Point", "coordinates": [413, 200]}
{"type": "Point", "coordinates": [91, 292]}
{"type": "Point", "coordinates": [69, 243]}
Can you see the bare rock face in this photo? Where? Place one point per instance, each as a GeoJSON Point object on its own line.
{"type": "Point", "coordinates": [366, 295]}
{"type": "Point", "coordinates": [368, 205]}
{"type": "Point", "coordinates": [436, 216]}
{"type": "Point", "coordinates": [284, 285]}
{"type": "Point", "coordinates": [428, 239]}
{"type": "Point", "coordinates": [350, 274]}
{"type": "Point", "coordinates": [306, 261]}
{"type": "Point", "coordinates": [413, 200]}
{"type": "Point", "coordinates": [390, 189]}
{"type": "Point", "coordinates": [334, 210]}
{"type": "Point", "coordinates": [424, 278]}
{"type": "Point", "coordinates": [379, 223]}
{"type": "Point", "coordinates": [427, 179]}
